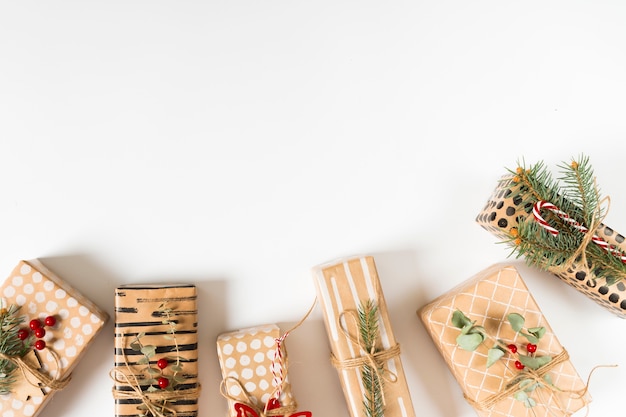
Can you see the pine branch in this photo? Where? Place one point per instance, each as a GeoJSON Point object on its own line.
{"type": "Point", "coordinates": [10, 344]}
{"type": "Point", "coordinates": [372, 382]}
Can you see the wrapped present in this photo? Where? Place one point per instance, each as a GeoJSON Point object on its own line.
{"type": "Point", "coordinates": [364, 349]}
{"type": "Point", "coordinates": [596, 266]}
{"type": "Point", "coordinates": [46, 328]}
{"type": "Point", "coordinates": [548, 387]}
{"type": "Point", "coordinates": [156, 351]}
{"type": "Point", "coordinates": [254, 369]}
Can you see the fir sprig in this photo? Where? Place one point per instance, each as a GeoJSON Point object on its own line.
{"type": "Point", "coordinates": [574, 193]}
{"type": "Point", "coordinates": [373, 402]}
{"type": "Point", "coordinates": [11, 345]}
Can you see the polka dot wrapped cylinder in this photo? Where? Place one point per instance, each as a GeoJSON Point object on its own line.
{"type": "Point", "coordinates": [502, 214]}
{"type": "Point", "coordinates": [246, 357]}
{"type": "Point", "coordinates": [71, 322]}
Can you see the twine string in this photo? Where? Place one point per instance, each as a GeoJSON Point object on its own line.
{"type": "Point", "coordinates": [368, 357]}
{"type": "Point", "coordinates": [249, 401]}
{"type": "Point", "coordinates": [37, 377]}
{"type": "Point", "coordinates": [154, 401]}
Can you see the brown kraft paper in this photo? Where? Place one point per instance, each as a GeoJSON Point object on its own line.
{"type": "Point", "coordinates": [488, 298]}
{"type": "Point", "coordinates": [503, 212]}
{"type": "Point", "coordinates": [342, 286]}
{"type": "Point", "coordinates": [142, 309]}
{"type": "Point", "coordinates": [41, 293]}
{"type": "Point", "coordinates": [245, 358]}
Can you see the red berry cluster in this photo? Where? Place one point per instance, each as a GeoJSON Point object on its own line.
{"type": "Point", "coordinates": [38, 330]}
{"type": "Point", "coordinates": [163, 381]}
{"type": "Point", "coordinates": [530, 348]}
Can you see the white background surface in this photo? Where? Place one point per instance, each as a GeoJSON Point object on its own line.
{"type": "Point", "coordinates": [236, 144]}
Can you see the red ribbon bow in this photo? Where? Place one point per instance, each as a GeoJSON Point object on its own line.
{"type": "Point", "coordinates": [244, 410]}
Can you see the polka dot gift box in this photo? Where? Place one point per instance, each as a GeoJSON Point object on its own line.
{"type": "Point", "coordinates": [345, 288]}
{"type": "Point", "coordinates": [502, 390]}
{"type": "Point", "coordinates": [253, 373]}
{"type": "Point", "coordinates": [156, 351]}
{"type": "Point", "coordinates": [57, 326]}
{"type": "Point", "coordinates": [501, 216]}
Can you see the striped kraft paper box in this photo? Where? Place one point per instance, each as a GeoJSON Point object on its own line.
{"type": "Point", "coordinates": [487, 299]}
{"type": "Point", "coordinates": [156, 351]}
{"type": "Point", "coordinates": [40, 293]}
{"type": "Point", "coordinates": [343, 287]}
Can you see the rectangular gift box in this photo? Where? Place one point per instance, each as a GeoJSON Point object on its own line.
{"type": "Point", "coordinates": [488, 298]}
{"type": "Point", "coordinates": [154, 322]}
{"type": "Point", "coordinates": [503, 211]}
{"type": "Point", "coordinates": [245, 358]}
{"type": "Point", "coordinates": [342, 287]}
{"type": "Point", "coordinates": [41, 293]}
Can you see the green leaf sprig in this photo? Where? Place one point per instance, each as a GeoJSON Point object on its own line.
{"type": "Point", "coordinates": [575, 193]}
{"type": "Point", "coordinates": [373, 402]}
{"type": "Point", "coordinates": [10, 344]}
{"type": "Point", "coordinates": [473, 335]}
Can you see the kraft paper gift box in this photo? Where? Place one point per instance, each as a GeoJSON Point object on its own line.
{"type": "Point", "coordinates": [41, 293]}
{"type": "Point", "coordinates": [488, 298]}
{"type": "Point", "coordinates": [503, 212]}
{"type": "Point", "coordinates": [246, 357]}
{"type": "Point", "coordinates": [343, 286]}
{"type": "Point", "coordinates": [156, 338]}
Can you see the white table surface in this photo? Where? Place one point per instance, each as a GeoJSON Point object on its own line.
{"type": "Point", "coordinates": [235, 145]}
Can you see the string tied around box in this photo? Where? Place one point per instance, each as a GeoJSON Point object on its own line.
{"type": "Point", "coordinates": [279, 368]}
{"type": "Point", "coordinates": [538, 376]}
{"type": "Point", "coordinates": [370, 356]}
{"type": "Point", "coordinates": [37, 377]}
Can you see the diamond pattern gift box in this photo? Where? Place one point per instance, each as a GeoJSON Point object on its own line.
{"type": "Point", "coordinates": [246, 358]}
{"type": "Point", "coordinates": [156, 351]}
{"type": "Point", "coordinates": [342, 287]}
{"type": "Point", "coordinates": [503, 212]}
{"type": "Point", "coordinates": [41, 293]}
{"type": "Point", "coordinates": [488, 298]}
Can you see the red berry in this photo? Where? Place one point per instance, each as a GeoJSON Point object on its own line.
{"type": "Point", "coordinates": [40, 344]}
{"type": "Point", "coordinates": [163, 382]}
{"type": "Point", "coordinates": [40, 332]}
{"type": "Point", "coordinates": [162, 363]}
{"type": "Point", "coordinates": [531, 348]}
{"type": "Point", "coordinates": [22, 334]}
{"type": "Point", "coordinates": [35, 324]}
{"type": "Point", "coordinates": [519, 365]}
{"type": "Point", "coordinates": [512, 348]}
{"type": "Point", "coordinates": [50, 321]}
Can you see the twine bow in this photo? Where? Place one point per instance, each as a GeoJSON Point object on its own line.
{"type": "Point", "coordinates": [369, 356]}
{"type": "Point", "coordinates": [36, 377]}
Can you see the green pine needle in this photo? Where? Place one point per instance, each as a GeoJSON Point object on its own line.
{"type": "Point", "coordinates": [10, 344]}
{"type": "Point", "coordinates": [372, 382]}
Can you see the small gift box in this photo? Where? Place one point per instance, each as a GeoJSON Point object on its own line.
{"type": "Point", "coordinates": [530, 200]}
{"type": "Point", "coordinates": [254, 370]}
{"type": "Point", "coordinates": [156, 351]}
{"type": "Point", "coordinates": [364, 349]}
{"type": "Point", "coordinates": [501, 349]}
{"type": "Point", "coordinates": [46, 327]}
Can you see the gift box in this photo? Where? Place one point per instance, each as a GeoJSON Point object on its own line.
{"type": "Point", "coordinates": [347, 288]}
{"type": "Point", "coordinates": [252, 369]}
{"type": "Point", "coordinates": [156, 351]}
{"type": "Point", "coordinates": [503, 213]}
{"type": "Point", "coordinates": [67, 323]}
{"type": "Point", "coordinates": [487, 299]}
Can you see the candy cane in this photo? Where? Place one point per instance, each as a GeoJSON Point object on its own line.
{"type": "Point", "coordinates": [539, 205]}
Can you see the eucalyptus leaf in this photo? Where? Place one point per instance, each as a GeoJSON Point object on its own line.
{"type": "Point", "coordinates": [135, 346]}
{"type": "Point", "coordinates": [531, 338]}
{"type": "Point", "coordinates": [470, 341]}
{"type": "Point", "coordinates": [140, 335]}
{"type": "Point", "coordinates": [176, 368]}
{"type": "Point", "coordinates": [538, 332]}
{"type": "Point", "coordinates": [493, 355]}
{"type": "Point", "coordinates": [548, 379]}
{"type": "Point", "coordinates": [149, 350]}
{"type": "Point", "coordinates": [152, 388]}
{"type": "Point", "coordinates": [534, 362]}
{"type": "Point", "coordinates": [460, 320]}
{"type": "Point", "coordinates": [154, 371]}
{"type": "Point", "coordinates": [516, 320]}
{"type": "Point", "coordinates": [142, 361]}
{"type": "Point", "coordinates": [520, 396]}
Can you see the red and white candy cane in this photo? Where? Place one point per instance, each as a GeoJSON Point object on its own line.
{"type": "Point", "coordinates": [540, 205]}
